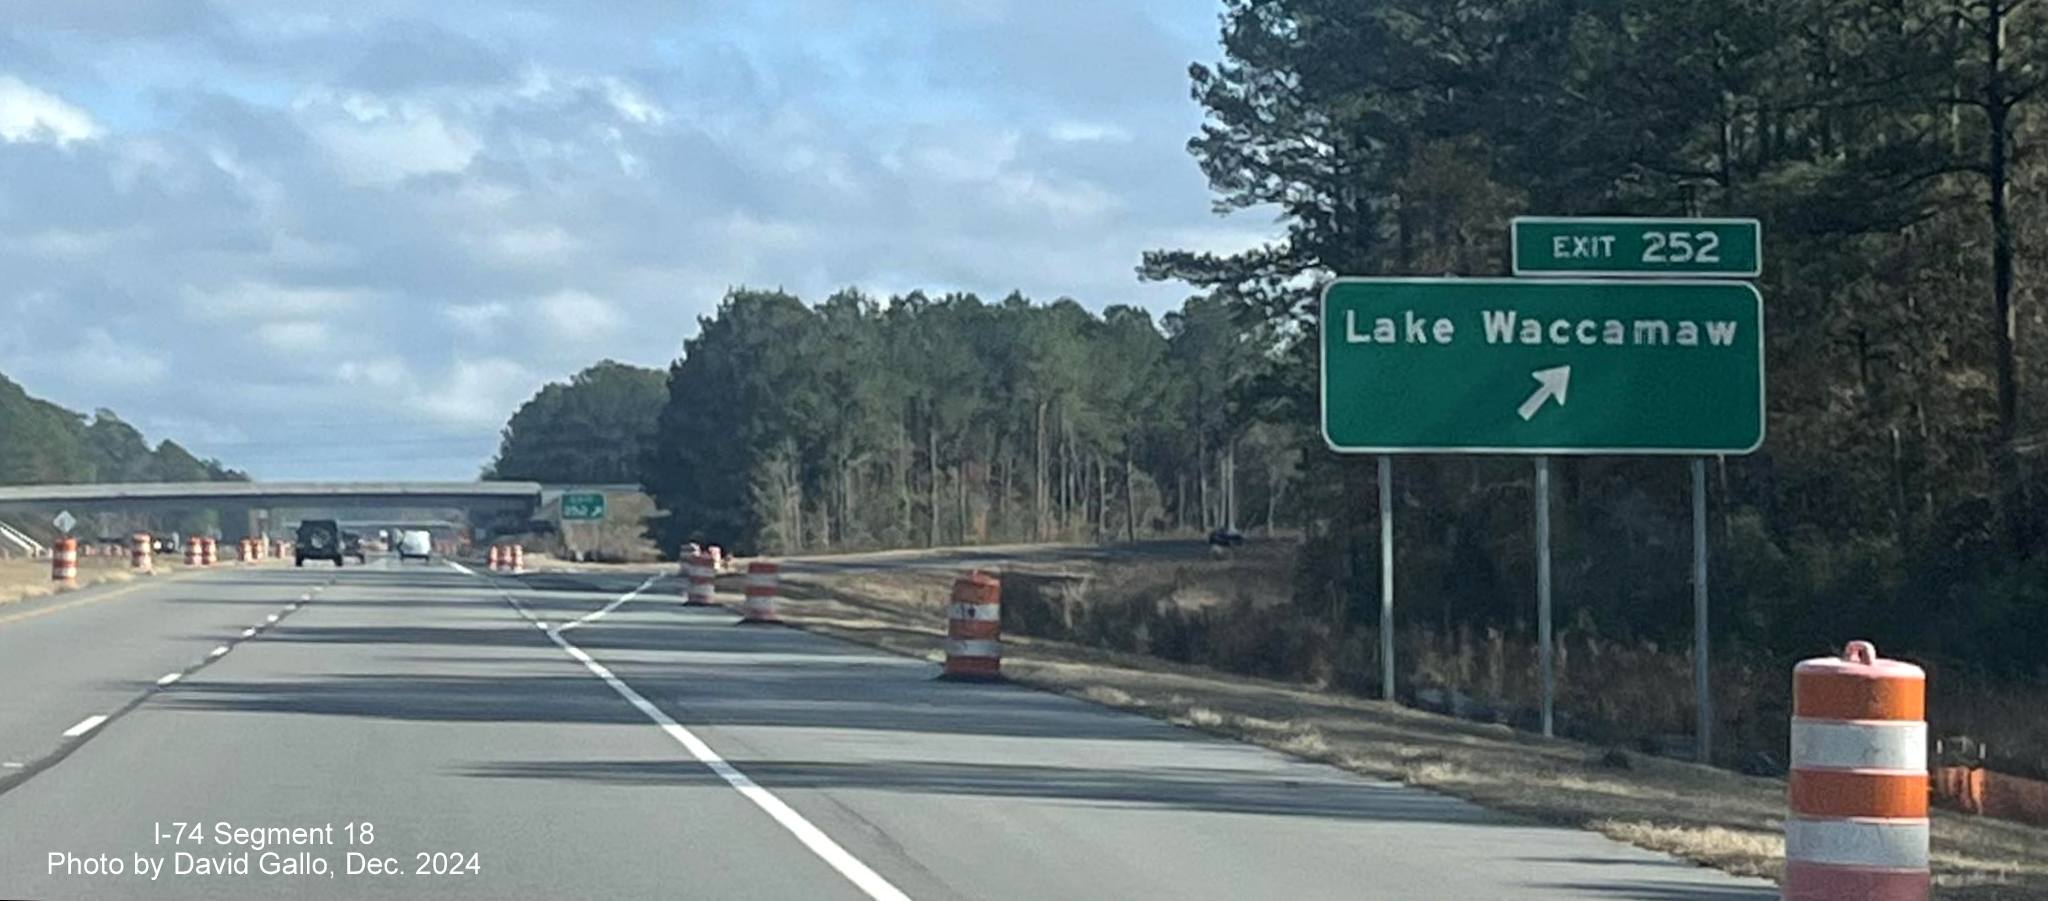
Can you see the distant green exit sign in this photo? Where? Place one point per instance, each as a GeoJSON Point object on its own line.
{"type": "Point", "coordinates": [1637, 247]}
{"type": "Point", "coordinates": [585, 505]}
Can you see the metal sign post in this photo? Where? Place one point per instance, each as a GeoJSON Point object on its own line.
{"type": "Point", "coordinates": [1386, 577]}
{"type": "Point", "coordinates": [1704, 706]}
{"type": "Point", "coordinates": [1543, 653]}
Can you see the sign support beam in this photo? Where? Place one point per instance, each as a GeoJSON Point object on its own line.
{"type": "Point", "coordinates": [1386, 577]}
{"type": "Point", "coordinates": [1543, 654]}
{"type": "Point", "coordinates": [1702, 687]}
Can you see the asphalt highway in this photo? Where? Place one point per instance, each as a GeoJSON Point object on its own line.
{"type": "Point", "coordinates": [425, 730]}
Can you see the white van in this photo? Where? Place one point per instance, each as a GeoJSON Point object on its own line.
{"type": "Point", "coordinates": [415, 543]}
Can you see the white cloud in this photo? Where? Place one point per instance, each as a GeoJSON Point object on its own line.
{"type": "Point", "coordinates": [381, 373]}
{"type": "Point", "coordinates": [31, 114]}
{"type": "Point", "coordinates": [258, 300]}
{"type": "Point", "coordinates": [98, 358]}
{"type": "Point", "coordinates": [473, 393]}
{"type": "Point", "coordinates": [370, 143]}
{"type": "Point", "coordinates": [631, 104]}
{"type": "Point", "coordinates": [529, 244]}
{"type": "Point", "coordinates": [479, 320]}
{"type": "Point", "coordinates": [577, 317]}
{"type": "Point", "coordinates": [1076, 132]}
{"type": "Point", "coordinates": [294, 337]}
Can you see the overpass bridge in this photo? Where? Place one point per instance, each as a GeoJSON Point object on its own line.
{"type": "Point", "coordinates": [492, 505]}
{"type": "Point", "coordinates": [150, 497]}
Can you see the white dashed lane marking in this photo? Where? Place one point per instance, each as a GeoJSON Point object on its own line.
{"type": "Point", "coordinates": [85, 725]}
{"type": "Point", "coordinates": [169, 678]}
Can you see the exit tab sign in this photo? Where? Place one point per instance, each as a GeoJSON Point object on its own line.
{"type": "Point", "coordinates": [1639, 248]}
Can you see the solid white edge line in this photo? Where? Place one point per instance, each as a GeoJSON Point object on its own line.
{"type": "Point", "coordinates": [169, 678]}
{"type": "Point", "coordinates": [867, 880]}
{"type": "Point", "coordinates": [838, 858]}
{"type": "Point", "coordinates": [85, 725]}
{"type": "Point", "coordinates": [601, 612]}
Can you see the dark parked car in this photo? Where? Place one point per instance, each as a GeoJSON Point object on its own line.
{"type": "Point", "coordinates": [1226, 538]}
{"type": "Point", "coordinates": [319, 539]}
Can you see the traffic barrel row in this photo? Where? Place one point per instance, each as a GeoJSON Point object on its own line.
{"type": "Point", "coordinates": [1858, 827]}
{"type": "Point", "coordinates": [64, 562]}
{"type": "Point", "coordinates": [509, 558]}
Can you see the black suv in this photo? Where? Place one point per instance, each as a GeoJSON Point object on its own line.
{"type": "Point", "coordinates": [319, 539]}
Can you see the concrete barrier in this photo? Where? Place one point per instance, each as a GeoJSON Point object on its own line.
{"type": "Point", "coordinates": [1858, 829]}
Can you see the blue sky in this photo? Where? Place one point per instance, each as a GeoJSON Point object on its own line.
{"type": "Point", "coordinates": [347, 239]}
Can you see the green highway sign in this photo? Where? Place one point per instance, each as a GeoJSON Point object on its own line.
{"type": "Point", "coordinates": [1542, 366]}
{"type": "Point", "coordinates": [1645, 248]}
{"type": "Point", "coordinates": [583, 505]}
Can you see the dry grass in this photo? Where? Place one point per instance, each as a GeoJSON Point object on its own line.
{"type": "Point", "coordinates": [22, 580]}
{"type": "Point", "coordinates": [1715, 817]}
{"type": "Point", "coordinates": [27, 579]}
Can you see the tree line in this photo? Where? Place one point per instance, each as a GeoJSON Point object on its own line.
{"type": "Point", "coordinates": [42, 443]}
{"type": "Point", "coordinates": [858, 422]}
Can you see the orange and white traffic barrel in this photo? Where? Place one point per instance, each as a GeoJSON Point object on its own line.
{"type": "Point", "coordinates": [701, 585]}
{"type": "Point", "coordinates": [64, 562]}
{"type": "Point", "coordinates": [764, 584]}
{"type": "Point", "coordinates": [193, 554]}
{"type": "Point", "coordinates": [718, 560]}
{"type": "Point", "coordinates": [245, 552]}
{"type": "Point", "coordinates": [1858, 825]}
{"type": "Point", "coordinates": [209, 551]}
{"type": "Point", "coordinates": [141, 553]}
{"type": "Point", "coordinates": [515, 558]}
{"type": "Point", "coordinates": [974, 621]}
{"type": "Point", "coordinates": [497, 557]}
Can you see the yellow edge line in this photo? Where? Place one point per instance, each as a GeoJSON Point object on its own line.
{"type": "Point", "coordinates": [81, 602]}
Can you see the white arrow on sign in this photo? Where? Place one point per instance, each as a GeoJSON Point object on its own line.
{"type": "Point", "coordinates": [64, 521]}
{"type": "Point", "coordinates": [1554, 382]}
